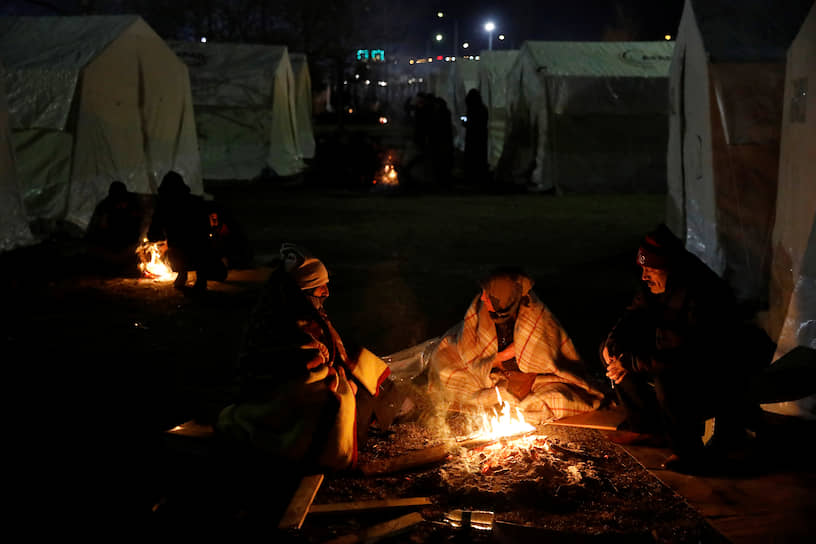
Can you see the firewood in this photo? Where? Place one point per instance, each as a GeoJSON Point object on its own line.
{"type": "Point", "coordinates": [301, 502]}
{"type": "Point", "coordinates": [377, 504]}
{"type": "Point", "coordinates": [381, 530]}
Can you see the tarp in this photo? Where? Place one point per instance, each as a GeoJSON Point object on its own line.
{"type": "Point", "coordinates": [493, 69]}
{"type": "Point", "coordinates": [94, 99]}
{"type": "Point", "coordinates": [244, 97]}
{"type": "Point", "coordinates": [792, 296]}
{"type": "Point", "coordinates": [303, 104]}
{"type": "Point", "coordinates": [587, 116]}
{"type": "Point", "coordinates": [727, 79]}
{"type": "Point", "coordinates": [14, 229]}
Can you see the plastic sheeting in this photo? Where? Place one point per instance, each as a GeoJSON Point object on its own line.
{"type": "Point", "coordinates": [244, 97]}
{"type": "Point", "coordinates": [726, 85]}
{"type": "Point", "coordinates": [588, 116]}
{"type": "Point", "coordinates": [792, 309]}
{"type": "Point", "coordinates": [493, 69]}
{"type": "Point", "coordinates": [303, 104]}
{"type": "Point", "coordinates": [104, 91]}
{"type": "Point", "coordinates": [14, 229]}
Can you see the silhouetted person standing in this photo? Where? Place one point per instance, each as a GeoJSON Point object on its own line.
{"type": "Point", "coordinates": [441, 143]}
{"type": "Point", "coordinates": [475, 139]}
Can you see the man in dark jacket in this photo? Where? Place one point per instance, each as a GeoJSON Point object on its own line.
{"type": "Point", "coordinates": [680, 354]}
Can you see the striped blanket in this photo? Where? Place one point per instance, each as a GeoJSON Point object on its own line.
{"type": "Point", "coordinates": [463, 360]}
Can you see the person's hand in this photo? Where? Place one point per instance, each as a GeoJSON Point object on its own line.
{"type": "Point", "coordinates": [615, 370]}
{"type": "Point", "coordinates": [502, 356]}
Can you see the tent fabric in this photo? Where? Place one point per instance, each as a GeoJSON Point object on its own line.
{"type": "Point", "coordinates": [244, 98]}
{"type": "Point", "coordinates": [94, 99]}
{"type": "Point", "coordinates": [492, 85]}
{"type": "Point", "coordinates": [14, 228]}
{"type": "Point", "coordinates": [726, 83]}
{"type": "Point", "coordinates": [587, 116]}
{"type": "Point", "coordinates": [792, 297]}
{"type": "Point", "coordinates": [303, 104]}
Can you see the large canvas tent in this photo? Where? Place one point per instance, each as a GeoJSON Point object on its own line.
{"type": "Point", "coordinates": [244, 97]}
{"type": "Point", "coordinates": [493, 69]}
{"type": "Point", "coordinates": [94, 99]}
{"type": "Point", "coordinates": [587, 116]}
{"type": "Point", "coordinates": [303, 104]}
{"type": "Point", "coordinates": [14, 229]}
{"type": "Point", "coordinates": [727, 80]}
{"type": "Point", "coordinates": [792, 298]}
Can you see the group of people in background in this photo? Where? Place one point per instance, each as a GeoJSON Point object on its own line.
{"type": "Point", "coordinates": [195, 234]}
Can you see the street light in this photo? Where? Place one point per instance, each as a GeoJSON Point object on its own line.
{"type": "Point", "coordinates": [490, 27]}
{"type": "Point", "coordinates": [501, 37]}
{"type": "Point", "coordinates": [465, 45]}
{"type": "Point", "coordinates": [438, 37]}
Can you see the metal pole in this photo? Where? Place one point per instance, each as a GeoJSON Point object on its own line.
{"type": "Point", "coordinates": [490, 41]}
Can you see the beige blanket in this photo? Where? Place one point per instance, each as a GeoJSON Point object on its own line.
{"type": "Point", "coordinates": [463, 360]}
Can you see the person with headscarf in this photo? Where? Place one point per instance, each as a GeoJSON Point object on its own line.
{"type": "Point", "coordinates": [305, 395]}
{"type": "Point", "coordinates": [510, 341]}
{"type": "Point", "coordinates": [680, 354]}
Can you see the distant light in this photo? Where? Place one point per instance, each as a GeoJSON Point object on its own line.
{"type": "Point", "coordinates": [439, 57]}
{"type": "Point", "coordinates": [477, 57]}
{"type": "Point", "coordinates": [356, 76]}
{"type": "Point", "coordinates": [203, 39]}
{"type": "Point", "coordinates": [439, 37]}
{"type": "Point", "coordinates": [430, 59]}
{"type": "Point", "coordinates": [382, 83]}
{"type": "Point", "coordinates": [440, 14]}
{"type": "Point", "coordinates": [667, 37]}
{"type": "Point", "coordinates": [383, 120]}
{"type": "Point", "coordinates": [351, 110]}
{"type": "Point", "coordinates": [345, 82]}
{"type": "Point", "coordinates": [453, 59]}
{"type": "Point", "coordinates": [501, 36]}
{"type": "Point", "coordinates": [447, 59]}
{"type": "Point", "coordinates": [421, 80]}
{"type": "Point", "coordinates": [465, 45]}
{"type": "Point", "coordinates": [489, 26]}
{"type": "Point", "coordinates": [368, 82]}
{"type": "Point", "coordinates": [411, 61]}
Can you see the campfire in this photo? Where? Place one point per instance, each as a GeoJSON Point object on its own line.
{"type": "Point", "coordinates": [153, 261]}
{"type": "Point", "coordinates": [387, 175]}
{"type": "Point", "coordinates": [501, 423]}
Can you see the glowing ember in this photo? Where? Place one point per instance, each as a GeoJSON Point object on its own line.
{"type": "Point", "coordinates": [153, 263]}
{"type": "Point", "coordinates": [503, 422]}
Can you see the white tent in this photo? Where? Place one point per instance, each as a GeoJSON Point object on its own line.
{"type": "Point", "coordinates": [727, 79]}
{"type": "Point", "coordinates": [587, 116]}
{"type": "Point", "coordinates": [244, 97]}
{"type": "Point", "coordinates": [792, 299]}
{"type": "Point", "coordinates": [93, 100]}
{"type": "Point", "coordinates": [303, 104]}
{"type": "Point", "coordinates": [14, 229]}
{"type": "Point", "coordinates": [493, 69]}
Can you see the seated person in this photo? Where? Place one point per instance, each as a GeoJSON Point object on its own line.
{"type": "Point", "coordinates": [115, 230]}
{"type": "Point", "coordinates": [680, 354]}
{"type": "Point", "coordinates": [228, 242]}
{"type": "Point", "coordinates": [509, 339]}
{"type": "Point", "coordinates": [305, 394]}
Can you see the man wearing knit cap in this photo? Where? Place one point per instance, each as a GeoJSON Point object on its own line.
{"type": "Point", "coordinates": [673, 356]}
{"type": "Point", "coordinates": [305, 394]}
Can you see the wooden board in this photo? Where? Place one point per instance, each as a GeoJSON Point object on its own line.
{"type": "Point", "coordinates": [607, 419]}
{"type": "Point", "coordinates": [381, 530]}
{"type": "Point", "coordinates": [301, 502]}
{"type": "Point", "coordinates": [357, 506]}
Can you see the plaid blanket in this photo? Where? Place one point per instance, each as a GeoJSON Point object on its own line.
{"type": "Point", "coordinates": [463, 360]}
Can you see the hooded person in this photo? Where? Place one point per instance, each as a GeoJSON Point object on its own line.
{"type": "Point", "coordinates": [510, 340]}
{"type": "Point", "coordinates": [303, 390]}
{"type": "Point", "coordinates": [680, 354]}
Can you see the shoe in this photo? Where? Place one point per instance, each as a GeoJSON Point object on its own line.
{"type": "Point", "coordinates": [631, 438]}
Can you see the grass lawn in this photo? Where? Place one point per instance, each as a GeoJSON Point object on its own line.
{"type": "Point", "coordinates": [405, 267]}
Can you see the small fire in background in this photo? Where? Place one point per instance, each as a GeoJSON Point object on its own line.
{"type": "Point", "coordinates": [153, 261]}
{"type": "Point", "coordinates": [383, 120]}
{"type": "Point", "coordinates": [387, 175]}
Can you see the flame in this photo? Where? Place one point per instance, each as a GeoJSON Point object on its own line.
{"type": "Point", "coordinates": [153, 261]}
{"type": "Point", "coordinates": [387, 175]}
{"type": "Point", "coordinates": [503, 422]}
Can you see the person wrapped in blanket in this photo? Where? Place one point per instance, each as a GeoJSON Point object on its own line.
{"type": "Point", "coordinates": [305, 395]}
{"type": "Point", "coordinates": [510, 340]}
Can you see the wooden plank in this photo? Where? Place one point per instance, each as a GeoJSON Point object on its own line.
{"type": "Point", "coordinates": [382, 530]}
{"type": "Point", "coordinates": [301, 502]}
{"type": "Point", "coordinates": [356, 506]}
{"type": "Point", "coordinates": [607, 419]}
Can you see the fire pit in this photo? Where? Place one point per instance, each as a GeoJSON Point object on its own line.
{"type": "Point", "coordinates": [153, 262]}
